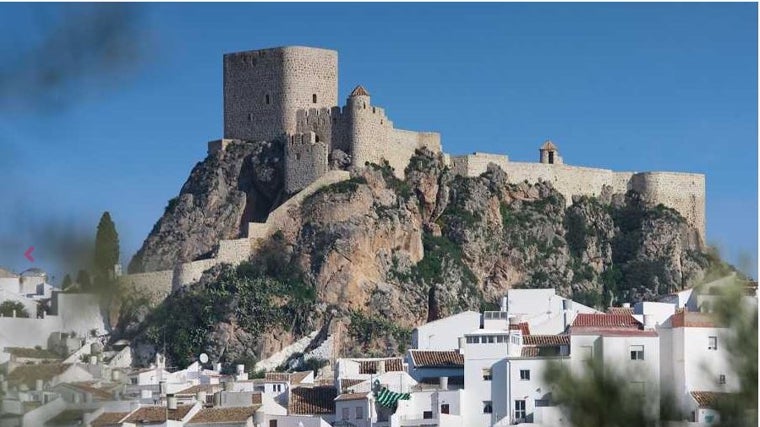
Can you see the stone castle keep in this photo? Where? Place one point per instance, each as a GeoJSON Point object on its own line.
{"type": "Point", "coordinates": [292, 93]}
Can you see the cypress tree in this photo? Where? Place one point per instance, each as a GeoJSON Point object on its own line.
{"type": "Point", "coordinates": [106, 247]}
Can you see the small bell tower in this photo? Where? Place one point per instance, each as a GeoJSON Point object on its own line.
{"type": "Point", "coordinates": [549, 153]}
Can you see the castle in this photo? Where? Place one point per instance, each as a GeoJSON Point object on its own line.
{"type": "Point", "coordinates": [292, 93]}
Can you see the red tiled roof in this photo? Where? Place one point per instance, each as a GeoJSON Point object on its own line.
{"type": "Point", "coordinates": [395, 364]}
{"type": "Point", "coordinates": [691, 319]}
{"type": "Point", "coordinates": [615, 332]}
{"type": "Point", "coordinates": [352, 396]}
{"type": "Point", "coordinates": [157, 414]}
{"type": "Point", "coordinates": [620, 310]}
{"type": "Point", "coordinates": [546, 340]}
{"type": "Point", "coordinates": [529, 352]}
{"type": "Point", "coordinates": [108, 419]}
{"type": "Point", "coordinates": [88, 387]}
{"type": "Point", "coordinates": [350, 382]}
{"type": "Point", "coordinates": [522, 327]}
{"type": "Point", "coordinates": [224, 415]}
{"type": "Point", "coordinates": [605, 320]}
{"type": "Point", "coordinates": [312, 400]}
{"type": "Point", "coordinates": [437, 359]}
{"type": "Point", "coordinates": [277, 376]}
{"type": "Point", "coordinates": [359, 91]}
{"type": "Point", "coordinates": [256, 398]}
{"type": "Point", "coordinates": [707, 399]}
{"type": "Point", "coordinates": [192, 391]}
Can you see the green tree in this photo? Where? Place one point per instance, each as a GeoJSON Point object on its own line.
{"type": "Point", "coordinates": [67, 282]}
{"type": "Point", "coordinates": [106, 247]}
{"type": "Point", "coordinates": [83, 279]}
{"type": "Point", "coordinates": [7, 309]}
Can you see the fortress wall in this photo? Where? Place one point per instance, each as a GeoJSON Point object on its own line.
{"type": "Point", "coordinates": [306, 160]}
{"type": "Point", "coordinates": [327, 123]}
{"type": "Point", "coordinates": [234, 251]}
{"type": "Point", "coordinates": [684, 192]}
{"type": "Point", "coordinates": [568, 180]}
{"type": "Point", "coordinates": [401, 145]}
{"type": "Point", "coordinates": [477, 163]}
{"type": "Point", "coordinates": [155, 285]}
{"type": "Point", "coordinates": [218, 145]}
{"type": "Point", "coordinates": [190, 272]}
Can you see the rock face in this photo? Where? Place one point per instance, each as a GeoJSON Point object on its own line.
{"type": "Point", "coordinates": [225, 192]}
{"type": "Point", "coordinates": [382, 255]}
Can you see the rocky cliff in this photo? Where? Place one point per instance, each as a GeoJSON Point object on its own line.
{"type": "Point", "coordinates": [370, 258]}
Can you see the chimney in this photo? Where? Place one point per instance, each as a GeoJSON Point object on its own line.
{"type": "Point", "coordinates": [648, 321]}
{"type": "Point", "coordinates": [162, 388]}
{"type": "Point", "coordinates": [461, 341]}
{"type": "Point", "coordinates": [240, 369]}
{"type": "Point", "coordinates": [380, 367]}
{"type": "Point", "coordinates": [171, 402]}
{"type": "Point", "coordinates": [444, 383]}
{"type": "Point", "coordinates": [38, 384]}
{"type": "Point", "coordinates": [504, 304]}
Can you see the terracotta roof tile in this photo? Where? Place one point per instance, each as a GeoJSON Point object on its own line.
{"type": "Point", "coordinates": [395, 364]}
{"type": "Point", "coordinates": [347, 383]}
{"type": "Point", "coordinates": [108, 419]}
{"type": "Point", "coordinates": [192, 391]}
{"type": "Point", "coordinates": [359, 91]}
{"type": "Point", "coordinates": [548, 145]}
{"type": "Point", "coordinates": [605, 320]}
{"type": "Point", "coordinates": [522, 327]}
{"type": "Point", "coordinates": [691, 319]}
{"type": "Point", "coordinates": [28, 374]}
{"type": "Point", "coordinates": [298, 377]}
{"type": "Point", "coordinates": [620, 310]}
{"type": "Point", "coordinates": [546, 340]}
{"type": "Point", "coordinates": [312, 400]}
{"type": "Point", "coordinates": [224, 415]}
{"type": "Point", "coordinates": [157, 414]}
{"type": "Point", "coordinates": [277, 376]}
{"type": "Point", "coordinates": [88, 387]}
{"type": "Point", "coordinates": [437, 359]}
{"type": "Point", "coordinates": [352, 396]}
{"type": "Point", "coordinates": [529, 352]}
{"type": "Point", "coordinates": [708, 399]}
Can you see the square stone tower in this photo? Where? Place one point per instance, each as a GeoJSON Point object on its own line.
{"type": "Point", "coordinates": [263, 89]}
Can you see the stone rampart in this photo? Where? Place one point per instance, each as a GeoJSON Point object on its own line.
{"type": "Point", "coordinates": [305, 161]}
{"type": "Point", "coordinates": [155, 285]}
{"type": "Point", "coordinates": [684, 192]}
{"type": "Point", "coordinates": [476, 163]}
{"type": "Point", "coordinates": [190, 272]}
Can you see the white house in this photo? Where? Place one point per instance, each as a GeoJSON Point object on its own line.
{"type": "Point", "coordinates": [443, 334]}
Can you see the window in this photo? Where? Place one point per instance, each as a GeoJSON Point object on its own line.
{"type": "Point", "coordinates": [519, 409]}
{"type": "Point", "coordinates": [359, 412]}
{"type": "Point", "coordinates": [345, 414]}
{"type": "Point", "coordinates": [473, 340]}
{"type": "Point", "coordinates": [637, 352]}
{"type": "Point", "coordinates": [712, 343]}
{"type": "Point", "coordinates": [445, 408]}
{"type": "Point", "coordinates": [134, 381]}
{"type": "Point", "coordinates": [272, 423]}
{"type": "Point", "coordinates": [489, 339]}
{"type": "Point", "coordinates": [250, 117]}
{"type": "Point", "coordinates": [486, 374]}
{"type": "Point", "coordinates": [525, 374]}
{"type": "Point", "coordinates": [427, 415]}
{"type": "Point", "coordinates": [487, 407]}
{"type": "Point", "coordinates": [266, 98]}
{"type": "Point", "coordinates": [721, 379]}
{"type": "Point", "coordinates": [501, 338]}
{"type": "Point", "coordinates": [314, 98]}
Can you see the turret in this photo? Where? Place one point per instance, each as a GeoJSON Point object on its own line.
{"type": "Point", "coordinates": [549, 154]}
{"type": "Point", "coordinates": [362, 134]}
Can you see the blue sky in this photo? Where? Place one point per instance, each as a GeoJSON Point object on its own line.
{"type": "Point", "coordinates": [623, 86]}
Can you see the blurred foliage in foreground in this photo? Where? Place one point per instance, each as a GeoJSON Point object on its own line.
{"type": "Point", "coordinates": [599, 396]}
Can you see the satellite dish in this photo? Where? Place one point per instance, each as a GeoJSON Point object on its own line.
{"type": "Point", "coordinates": [203, 358]}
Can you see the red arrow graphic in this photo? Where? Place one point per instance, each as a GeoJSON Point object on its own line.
{"type": "Point", "coordinates": [28, 254]}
